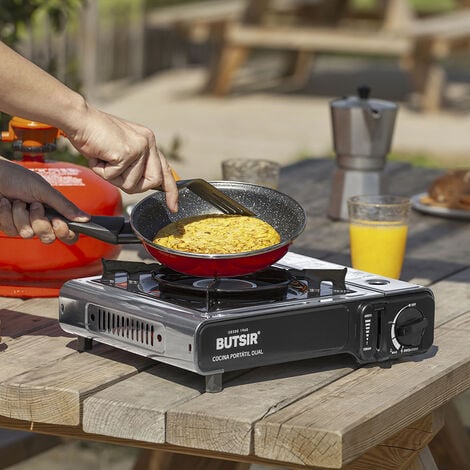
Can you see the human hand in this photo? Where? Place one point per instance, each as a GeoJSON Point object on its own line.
{"type": "Point", "coordinates": [124, 153]}
{"type": "Point", "coordinates": [119, 151]}
{"type": "Point", "coordinates": [23, 195]}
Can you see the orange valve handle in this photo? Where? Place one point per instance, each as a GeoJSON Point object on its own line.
{"type": "Point", "coordinates": [31, 136]}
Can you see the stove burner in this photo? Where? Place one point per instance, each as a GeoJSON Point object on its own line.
{"type": "Point", "coordinates": [227, 284]}
{"type": "Point", "coordinates": [268, 285]}
{"type": "Point", "coordinates": [213, 294]}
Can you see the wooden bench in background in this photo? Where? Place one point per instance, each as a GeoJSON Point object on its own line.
{"type": "Point", "coordinates": [435, 40]}
{"type": "Point", "coordinates": [420, 44]}
{"type": "Point", "coordinates": [189, 33]}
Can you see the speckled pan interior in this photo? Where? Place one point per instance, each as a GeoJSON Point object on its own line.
{"type": "Point", "coordinates": [278, 209]}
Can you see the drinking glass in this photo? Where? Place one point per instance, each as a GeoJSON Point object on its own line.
{"type": "Point", "coordinates": [258, 171]}
{"type": "Point", "coordinates": [378, 228]}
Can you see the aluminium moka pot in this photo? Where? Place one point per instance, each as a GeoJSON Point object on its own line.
{"type": "Point", "coordinates": [362, 136]}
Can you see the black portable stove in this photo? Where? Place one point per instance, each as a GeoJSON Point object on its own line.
{"type": "Point", "coordinates": [299, 308]}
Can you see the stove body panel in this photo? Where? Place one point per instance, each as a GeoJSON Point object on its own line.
{"type": "Point", "coordinates": [125, 322]}
{"type": "Point", "coordinates": [366, 330]}
{"type": "Point", "coordinates": [374, 320]}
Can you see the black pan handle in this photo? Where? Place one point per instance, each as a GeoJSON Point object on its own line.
{"type": "Point", "coordinates": [110, 229]}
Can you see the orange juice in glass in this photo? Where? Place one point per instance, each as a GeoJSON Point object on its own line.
{"type": "Point", "coordinates": [378, 228]}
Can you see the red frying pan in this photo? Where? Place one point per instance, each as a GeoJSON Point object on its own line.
{"type": "Point", "coordinates": [151, 214]}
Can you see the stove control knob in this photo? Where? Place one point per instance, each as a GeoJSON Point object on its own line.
{"type": "Point", "coordinates": [410, 325]}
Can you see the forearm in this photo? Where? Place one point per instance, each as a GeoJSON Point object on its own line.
{"type": "Point", "coordinates": [119, 151]}
{"type": "Point", "coordinates": [29, 92]}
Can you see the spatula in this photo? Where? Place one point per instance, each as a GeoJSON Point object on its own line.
{"type": "Point", "coordinates": [217, 198]}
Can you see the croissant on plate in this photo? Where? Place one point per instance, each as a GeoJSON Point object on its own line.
{"type": "Point", "coordinates": [451, 190]}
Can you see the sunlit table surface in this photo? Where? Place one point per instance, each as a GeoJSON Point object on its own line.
{"type": "Point", "coordinates": [325, 412]}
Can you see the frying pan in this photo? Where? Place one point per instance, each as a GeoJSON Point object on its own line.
{"type": "Point", "coordinates": [151, 214]}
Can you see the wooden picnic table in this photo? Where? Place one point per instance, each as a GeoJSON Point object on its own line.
{"type": "Point", "coordinates": [308, 28]}
{"type": "Point", "coordinates": [323, 412]}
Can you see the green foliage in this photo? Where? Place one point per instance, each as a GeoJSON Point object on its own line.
{"type": "Point", "coordinates": [421, 6]}
{"type": "Point", "coordinates": [16, 14]}
{"type": "Point", "coordinates": [434, 6]}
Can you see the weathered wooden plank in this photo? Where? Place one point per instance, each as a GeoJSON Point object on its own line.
{"type": "Point", "coordinates": [35, 349]}
{"type": "Point", "coordinates": [76, 432]}
{"type": "Point", "coordinates": [312, 191]}
{"type": "Point", "coordinates": [434, 249]}
{"type": "Point", "coordinates": [8, 302]}
{"type": "Point", "coordinates": [19, 446]}
{"type": "Point", "coordinates": [223, 422]}
{"type": "Point", "coordinates": [452, 296]}
{"type": "Point", "coordinates": [53, 391]}
{"type": "Point", "coordinates": [202, 12]}
{"type": "Point", "coordinates": [32, 350]}
{"type": "Point", "coordinates": [310, 180]}
{"type": "Point", "coordinates": [398, 451]}
{"type": "Point", "coordinates": [319, 39]}
{"type": "Point", "coordinates": [450, 25]}
{"type": "Point", "coordinates": [16, 324]}
{"type": "Point", "coordinates": [434, 244]}
{"type": "Point", "coordinates": [451, 447]}
{"type": "Point", "coordinates": [344, 419]}
{"type": "Point", "coordinates": [385, 458]}
{"type": "Point", "coordinates": [41, 307]}
{"type": "Point", "coordinates": [418, 434]}
{"type": "Point", "coordinates": [323, 236]}
{"type": "Point", "coordinates": [400, 178]}
{"type": "Point", "coordinates": [46, 308]}
{"type": "Point", "coordinates": [136, 407]}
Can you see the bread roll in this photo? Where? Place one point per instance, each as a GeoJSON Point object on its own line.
{"type": "Point", "coordinates": [451, 190]}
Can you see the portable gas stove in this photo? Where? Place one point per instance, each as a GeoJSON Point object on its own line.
{"type": "Point", "coordinates": [299, 308]}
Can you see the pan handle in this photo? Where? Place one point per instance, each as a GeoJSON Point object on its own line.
{"type": "Point", "coordinates": [110, 229]}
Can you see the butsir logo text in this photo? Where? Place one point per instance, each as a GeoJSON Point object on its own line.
{"type": "Point", "coordinates": [236, 341]}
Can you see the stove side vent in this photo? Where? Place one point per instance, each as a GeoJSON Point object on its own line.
{"type": "Point", "coordinates": [126, 328]}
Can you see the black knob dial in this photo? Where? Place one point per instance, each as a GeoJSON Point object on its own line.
{"type": "Point", "coordinates": [410, 326]}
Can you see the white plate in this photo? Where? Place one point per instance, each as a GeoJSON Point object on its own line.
{"type": "Point", "coordinates": [438, 211]}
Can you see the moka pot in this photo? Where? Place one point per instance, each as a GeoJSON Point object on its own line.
{"type": "Point", "coordinates": [362, 136]}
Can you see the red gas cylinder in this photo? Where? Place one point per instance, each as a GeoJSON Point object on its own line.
{"type": "Point", "coordinates": [28, 268]}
